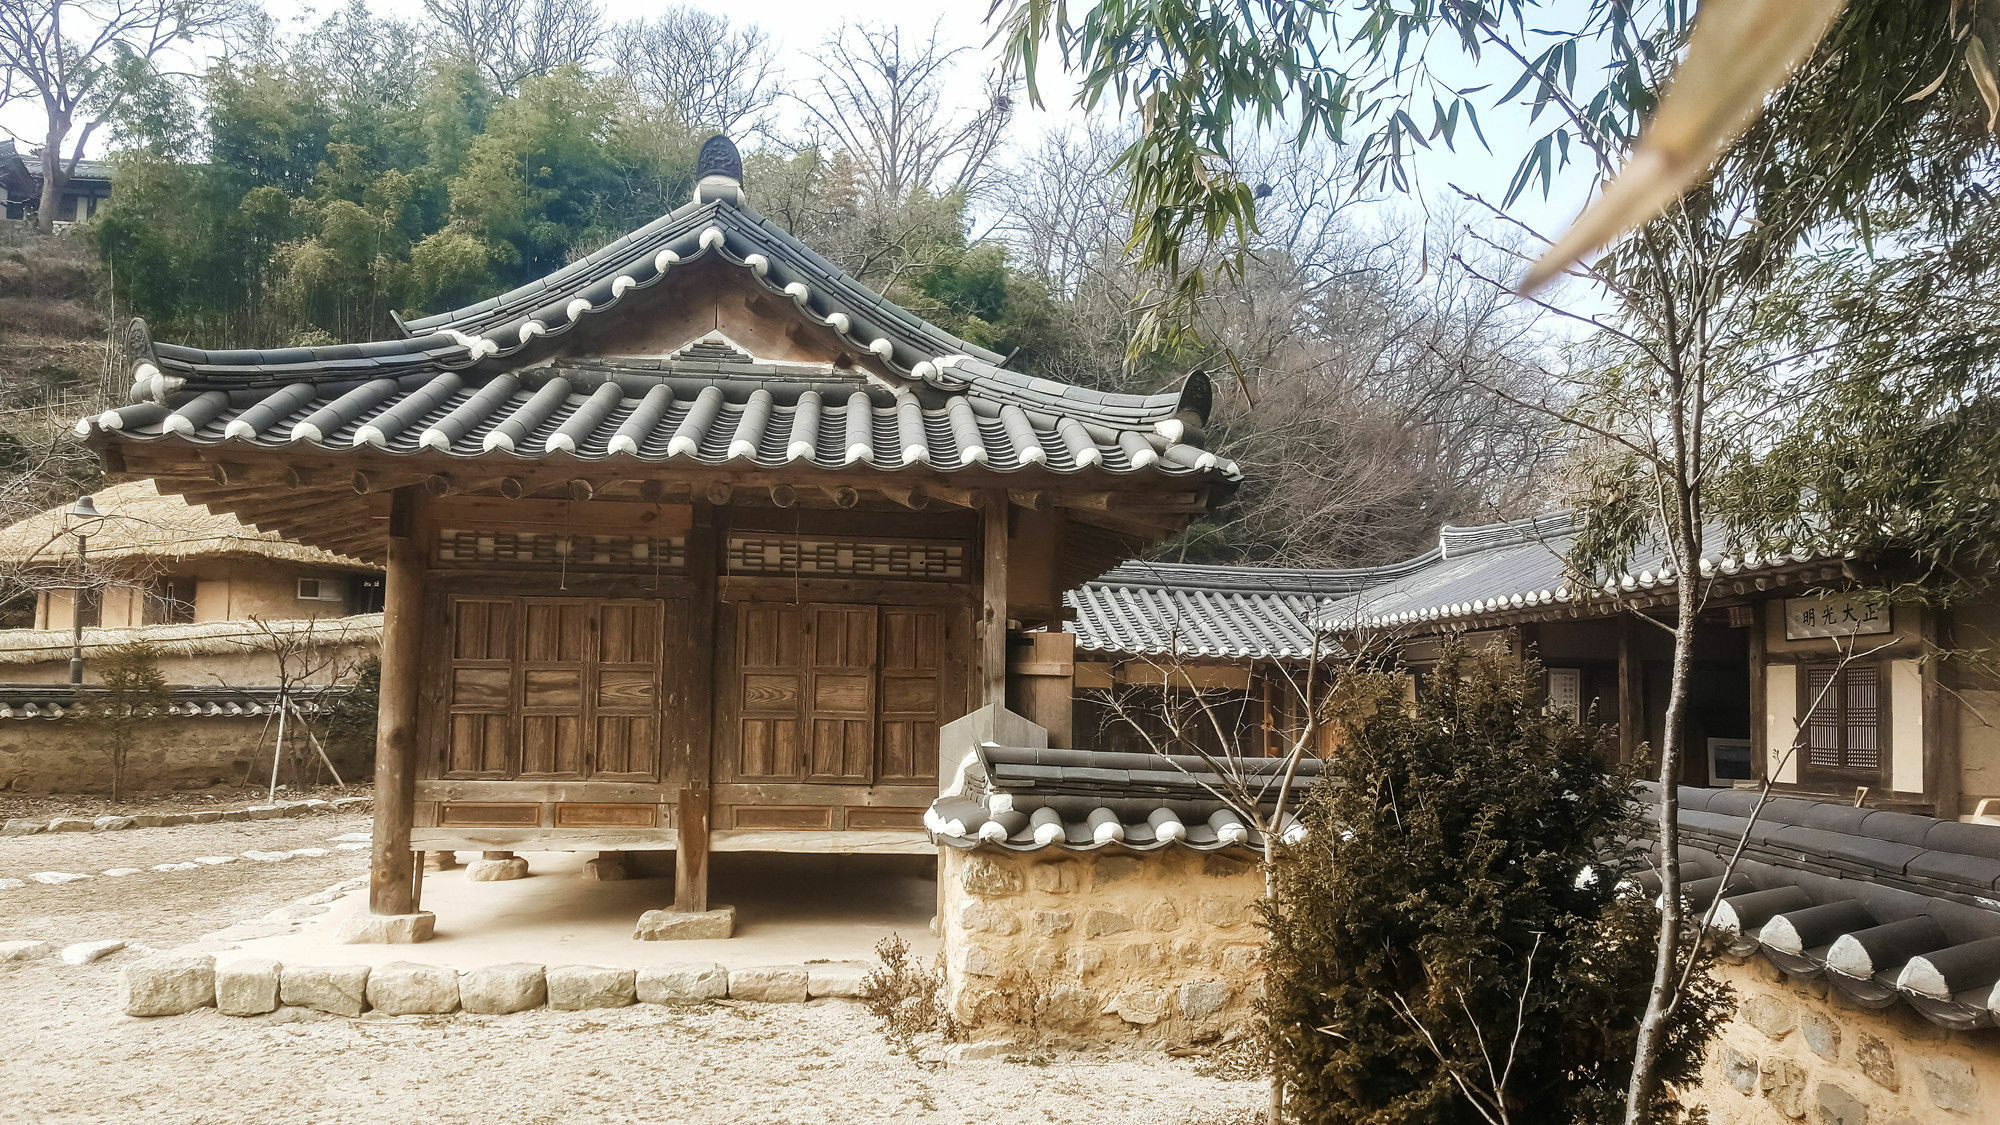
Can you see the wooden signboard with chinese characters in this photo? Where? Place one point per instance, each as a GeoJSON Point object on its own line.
{"type": "Point", "coordinates": [1834, 615]}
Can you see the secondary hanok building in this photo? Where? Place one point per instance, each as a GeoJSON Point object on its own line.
{"type": "Point", "coordinates": [1799, 675]}
{"type": "Point", "coordinates": [692, 544]}
{"type": "Point", "coordinates": [1180, 657]}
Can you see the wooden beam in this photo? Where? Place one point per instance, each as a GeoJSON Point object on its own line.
{"type": "Point", "coordinates": [512, 488]}
{"type": "Point", "coordinates": [1035, 500]}
{"type": "Point", "coordinates": [1631, 716]}
{"type": "Point", "coordinates": [1944, 781]}
{"type": "Point", "coordinates": [439, 485]}
{"type": "Point", "coordinates": [719, 493]}
{"type": "Point", "coordinates": [390, 886]}
{"type": "Point", "coordinates": [784, 495]}
{"type": "Point", "coordinates": [993, 602]}
{"type": "Point", "coordinates": [914, 498]}
{"type": "Point", "coordinates": [580, 489]}
{"type": "Point", "coordinates": [691, 861]}
{"type": "Point", "coordinates": [843, 496]}
{"type": "Point", "coordinates": [1760, 724]}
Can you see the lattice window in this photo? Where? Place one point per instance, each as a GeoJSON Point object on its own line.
{"type": "Point", "coordinates": [548, 550]}
{"type": "Point", "coordinates": [918, 559]}
{"type": "Point", "coordinates": [1844, 727]}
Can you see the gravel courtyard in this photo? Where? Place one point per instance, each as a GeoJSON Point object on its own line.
{"type": "Point", "coordinates": [72, 1056]}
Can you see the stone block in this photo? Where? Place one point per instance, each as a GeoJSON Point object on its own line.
{"type": "Point", "coordinates": [262, 812]}
{"type": "Point", "coordinates": [1110, 869]}
{"type": "Point", "coordinates": [1822, 1035]}
{"type": "Point", "coordinates": [1950, 1083]}
{"type": "Point", "coordinates": [204, 816]}
{"type": "Point", "coordinates": [1876, 1061]}
{"type": "Point", "coordinates": [1067, 1007]}
{"type": "Point", "coordinates": [1203, 1000]}
{"type": "Point", "coordinates": [155, 820]}
{"type": "Point", "coordinates": [112, 823]}
{"type": "Point", "coordinates": [496, 870]}
{"type": "Point", "coordinates": [679, 925]}
{"type": "Point", "coordinates": [71, 824]}
{"type": "Point", "coordinates": [1058, 878]}
{"type": "Point", "coordinates": [574, 988]}
{"type": "Point", "coordinates": [247, 986]}
{"type": "Point", "coordinates": [1784, 1084]}
{"type": "Point", "coordinates": [499, 989]}
{"type": "Point", "coordinates": [1160, 917]}
{"type": "Point", "coordinates": [1222, 913]}
{"type": "Point", "coordinates": [84, 952]}
{"type": "Point", "coordinates": [167, 984]}
{"type": "Point", "coordinates": [987, 918]}
{"type": "Point", "coordinates": [338, 989]}
{"type": "Point", "coordinates": [983, 962]}
{"type": "Point", "coordinates": [605, 869]}
{"type": "Point", "coordinates": [294, 808]}
{"type": "Point", "coordinates": [1049, 923]}
{"type": "Point", "coordinates": [1103, 923]}
{"type": "Point", "coordinates": [1769, 1015]}
{"type": "Point", "coordinates": [772, 984]}
{"type": "Point", "coordinates": [433, 861]}
{"type": "Point", "coordinates": [1838, 1107]}
{"type": "Point", "coordinates": [342, 804]}
{"type": "Point", "coordinates": [984, 875]}
{"type": "Point", "coordinates": [835, 978]}
{"type": "Point", "coordinates": [1140, 1006]}
{"type": "Point", "coordinates": [25, 950]}
{"type": "Point", "coordinates": [682, 984]}
{"type": "Point", "coordinates": [234, 815]}
{"type": "Point", "coordinates": [19, 827]}
{"type": "Point", "coordinates": [1739, 1070]}
{"type": "Point", "coordinates": [388, 929]}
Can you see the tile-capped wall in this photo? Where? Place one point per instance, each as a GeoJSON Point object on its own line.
{"type": "Point", "coordinates": [1163, 944]}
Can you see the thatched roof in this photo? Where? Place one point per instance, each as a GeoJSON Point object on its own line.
{"type": "Point", "coordinates": [206, 638]}
{"type": "Point", "coordinates": [141, 522]}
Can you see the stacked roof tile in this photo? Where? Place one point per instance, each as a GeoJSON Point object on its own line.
{"type": "Point", "coordinates": [1025, 799]}
{"type": "Point", "coordinates": [55, 701]}
{"type": "Point", "coordinates": [1883, 906]}
{"type": "Point", "coordinates": [1187, 611]}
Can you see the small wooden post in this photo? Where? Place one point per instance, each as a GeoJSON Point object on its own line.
{"type": "Point", "coordinates": [993, 611]}
{"type": "Point", "coordinates": [691, 862]}
{"type": "Point", "coordinates": [1630, 717]}
{"type": "Point", "coordinates": [1943, 778]}
{"type": "Point", "coordinates": [1760, 704]}
{"type": "Point", "coordinates": [391, 883]}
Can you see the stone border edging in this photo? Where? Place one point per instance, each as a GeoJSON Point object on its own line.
{"type": "Point", "coordinates": [24, 827]}
{"type": "Point", "coordinates": [171, 984]}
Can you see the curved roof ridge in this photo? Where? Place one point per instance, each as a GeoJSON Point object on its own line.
{"type": "Point", "coordinates": [1457, 540]}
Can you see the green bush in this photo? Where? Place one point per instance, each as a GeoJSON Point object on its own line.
{"type": "Point", "coordinates": [1438, 916]}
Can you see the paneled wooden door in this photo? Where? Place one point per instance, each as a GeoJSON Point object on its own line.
{"type": "Point", "coordinates": [562, 688]}
{"type": "Point", "coordinates": [837, 694]}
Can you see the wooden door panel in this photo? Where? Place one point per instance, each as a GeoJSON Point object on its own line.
{"type": "Point", "coordinates": [478, 727]}
{"type": "Point", "coordinates": [625, 693]}
{"type": "Point", "coordinates": [913, 687]}
{"type": "Point", "coordinates": [842, 705]}
{"type": "Point", "coordinates": [552, 745]}
{"type": "Point", "coordinates": [770, 748]}
{"type": "Point", "coordinates": [771, 679]}
{"type": "Point", "coordinates": [552, 689]}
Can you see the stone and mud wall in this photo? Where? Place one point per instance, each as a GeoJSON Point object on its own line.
{"type": "Point", "coordinates": [171, 752]}
{"type": "Point", "coordinates": [1795, 1052]}
{"type": "Point", "coordinates": [1164, 944]}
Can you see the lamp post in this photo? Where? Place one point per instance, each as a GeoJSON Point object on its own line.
{"type": "Point", "coordinates": [81, 520]}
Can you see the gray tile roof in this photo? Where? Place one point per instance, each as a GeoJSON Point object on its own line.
{"type": "Point", "coordinates": [1027, 799]}
{"type": "Point", "coordinates": [487, 380]}
{"type": "Point", "coordinates": [1886, 907]}
{"type": "Point", "coordinates": [1519, 565]}
{"type": "Point", "coordinates": [1189, 611]}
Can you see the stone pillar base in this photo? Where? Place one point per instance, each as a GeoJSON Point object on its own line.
{"type": "Point", "coordinates": [388, 929]}
{"type": "Point", "coordinates": [676, 925]}
{"type": "Point", "coordinates": [607, 867]}
{"type": "Point", "coordinates": [496, 870]}
{"type": "Point", "coordinates": [440, 861]}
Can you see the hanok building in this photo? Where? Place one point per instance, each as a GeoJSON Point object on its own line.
{"type": "Point", "coordinates": [87, 189]}
{"type": "Point", "coordinates": [692, 544]}
{"type": "Point", "coordinates": [1149, 637]}
{"type": "Point", "coordinates": [1799, 674]}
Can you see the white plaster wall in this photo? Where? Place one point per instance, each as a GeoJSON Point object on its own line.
{"type": "Point", "coordinates": [1906, 726]}
{"type": "Point", "coordinates": [1781, 716]}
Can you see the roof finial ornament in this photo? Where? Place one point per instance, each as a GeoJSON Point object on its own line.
{"type": "Point", "coordinates": [718, 171]}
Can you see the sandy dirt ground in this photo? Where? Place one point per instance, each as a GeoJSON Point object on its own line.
{"type": "Point", "coordinates": [41, 806]}
{"type": "Point", "coordinates": [67, 1054]}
